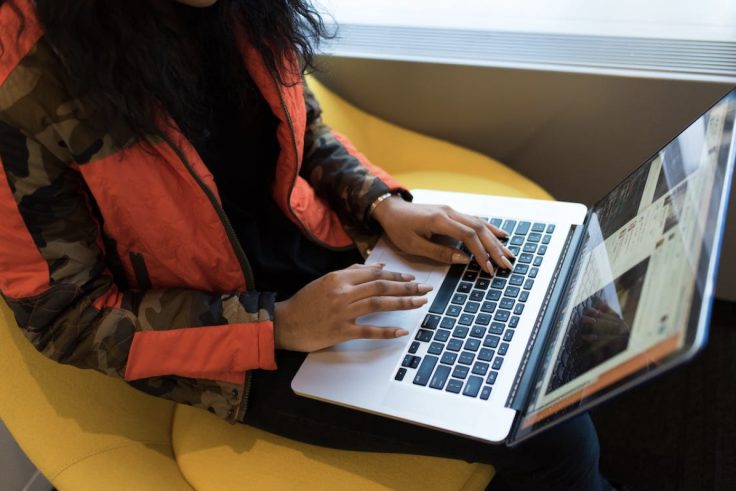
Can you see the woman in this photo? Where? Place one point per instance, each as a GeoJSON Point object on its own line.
{"type": "Point", "coordinates": [176, 211]}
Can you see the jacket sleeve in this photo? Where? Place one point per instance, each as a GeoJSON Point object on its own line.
{"type": "Point", "coordinates": [339, 173]}
{"type": "Point", "coordinates": [54, 276]}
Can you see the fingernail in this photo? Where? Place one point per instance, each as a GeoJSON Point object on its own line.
{"type": "Point", "coordinates": [380, 265]}
{"type": "Point", "coordinates": [460, 258]}
{"type": "Point", "coordinates": [424, 288]}
{"type": "Point", "coordinates": [401, 332]}
{"type": "Point", "coordinates": [490, 269]}
{"type": "Point", "coordinates": [507, 263]}
{"type": "Point", "coordinates": [407, 277]}
{"type": "Point", "coordinates": [509, 253]}
{"type": "Point", "coordinates": [418, 301]}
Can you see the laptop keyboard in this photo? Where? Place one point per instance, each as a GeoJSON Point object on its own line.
{"type": "Point", "coordinates": [461, 344]}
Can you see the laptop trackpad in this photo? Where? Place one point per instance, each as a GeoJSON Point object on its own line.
{"type": "Point", "coordinates": [416, 402]}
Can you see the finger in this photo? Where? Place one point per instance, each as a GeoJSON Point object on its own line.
{"type": "Point", "coordinates": [380, 288]}
{"type": "Point", "coordinates": [357, 276]}
{"type": "Point", "coordinates": [374, 332]}
{"type": "Point", "coordinates": [371, 305]}
{"type": "Point", "coordinates": [374, 265]}
{"type": "Point", "coordinates": [498, 232]}
{"type": "Point", "coordinates": [482, 242]}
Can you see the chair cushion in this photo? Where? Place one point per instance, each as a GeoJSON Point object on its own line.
{"type": "Point", "coordinates": [83, 430]}
{"type": "Point", "coordinates": [214, 455]}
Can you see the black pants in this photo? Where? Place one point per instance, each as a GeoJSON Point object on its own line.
{"type": "Point", "coordinates": [564, 458]}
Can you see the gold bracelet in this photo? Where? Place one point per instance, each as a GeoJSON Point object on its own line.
{"type": "Point", "coordinates": [375, 204]}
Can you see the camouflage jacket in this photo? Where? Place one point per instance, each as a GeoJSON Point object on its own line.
{"type": "Point", "coordinates": [122, 260]}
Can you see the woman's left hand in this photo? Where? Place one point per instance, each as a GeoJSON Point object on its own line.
{"type": "Point", "coordinates": [410, 227]}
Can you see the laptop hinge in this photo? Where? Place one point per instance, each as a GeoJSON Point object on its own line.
{"type": "Point", "coordinates": [528, 364]}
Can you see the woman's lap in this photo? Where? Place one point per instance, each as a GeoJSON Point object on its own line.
{"type": "Point", "coordinates": [565, 457]}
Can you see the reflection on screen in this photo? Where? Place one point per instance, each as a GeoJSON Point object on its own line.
{"type": "Point", "coordinates": [629, 300]}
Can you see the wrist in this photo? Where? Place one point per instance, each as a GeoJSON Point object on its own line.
{"type": "Point", "coordinates": [381, 207]}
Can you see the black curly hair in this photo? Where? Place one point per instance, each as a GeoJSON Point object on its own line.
{"type": "Point", "coordinates": [131, 58]}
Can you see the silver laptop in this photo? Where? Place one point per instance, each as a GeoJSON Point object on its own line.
{"type": "Point", "coordinates": [598, 301]}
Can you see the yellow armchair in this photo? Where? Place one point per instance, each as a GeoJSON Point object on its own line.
{"type": "Point", "coordinates": [85, 431]}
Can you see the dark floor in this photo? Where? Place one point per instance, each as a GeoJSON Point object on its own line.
{"type": "Point", "coordinates": [678, 432]}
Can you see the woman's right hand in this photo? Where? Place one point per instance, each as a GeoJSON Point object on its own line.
{"type": "Point", "coordinates": [323, 313]}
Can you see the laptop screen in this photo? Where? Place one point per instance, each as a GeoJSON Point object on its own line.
{"type": "Point", "coordinates": [640, 291]}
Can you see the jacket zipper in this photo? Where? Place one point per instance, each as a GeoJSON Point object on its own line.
{"type": "Point", "coordinates": [296, 175]}
{"type": "Point", "coordinates": [234, 242]}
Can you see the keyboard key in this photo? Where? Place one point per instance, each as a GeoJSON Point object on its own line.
{"type": "Point", "coordinates": [524, 296]}
{"type": "Point", "coordinates": [460, 371]}
{"type": "Point", "coordinates": [440, 377]}
{"type": "Point", "coordinates": [424, 336]}
{"type": "Point", "coordinates": [466, 358]}
{"type": "Point", "coordinates": [516, 280]}
{"type": "Point", "coordinates": [472, 387]}
{"type": "Point", "coordinates": [466, 319]}
{"type": "Point", "coordinates": [472, 344]}
{"type": "Point", "coordinates": [459, 298]}
{"type": "Point", "coordinates": [519, 309]}
{"type": "Point", "coordinates": [503, 273]}
{"type": "Point", "coordinates": [488, 307]}
{"type": "Point", "coordinates": [478, 331]}
{"type": "Point", "coordinates": [503, 349]}
{"type": "Point", "coordinates": [511, 291]}
{"type": "Point", "coordinates": [496, 222]}
{"type": "Point", "coordinates": [531, 248]}
{"type": "Point", "coordinates": [480, 368]}
{"type": "Point", "coordinates": [538, 261]}
{"type": "Point", "coordinates": [464, 287]}
{"type": "Point", "coordinates": [508, 226]}
{"type": "Point", "coordinates": [407, 361]}
{"type": "Point", "coordinates": [482, 283]}
{"type": "Point", "coordinates": [490, 341]}
{"type": "Point", "coordinates": [523, 228]}
{"type": "Point", "coordinates": [436, 348]}
{"type": "Point", "coordinates": [514, 250]}
{"type": "Point", "coordinates": [506, 303]}
{"type": "Point", "coordinates": [447, 289]}
{"type": "Point", "coordinates": [414, 347]}
{"type": "Point", "coordinates": [477, 296]}
{"type": "Point", "coordinates": [485, 393]}
{"type": "Point", "coordinates": [441, 335]}
{"type": "Point", "coordinates": [400, 374]}
{"type": "Point", "coordinates": [533, 272]}
{"type": "Point", "coordinates": [454, 386]}
{"type": "Point", "coordinates": [460, 332]}
{"type": "Point", "coordinates": [529, 284]}
{"type": "Point", "coordinates": [514, 321]}
{"type": "Point", "coordinates": [473, 265]}
{"type": "Point", "coordinates": [483, 319]}
{"type": "Point", "coordinates": [517, 240]}
{"type": "Point", "coordinates": [492, 377]}
{"type": "Point", "coordinates": [471, 307]}
{"type": "Point", "coordinates": [498, 283]}
{"type": "Point", "coordinates": [542, 250]}
{"type": "Point", "coordinates": [538, 227]}
{"type": "Point", "coordinates": [415, 361]}
{"type": "Point", "coordinates": [497, 363]}
{"type": "Point", "coordinates": [447, 323]}
{"type": "Point", "coordinates": [508, 335]}
{"type": "Point", "coordinates": [525, 258]}
{"type": "Point", "coordinates": [486, 354]}
{"type": "Point", "coordinates": [501, 315]}
{"type": "Point", "coordinates": [454, 345]}
{"type": "Point", "coordinates": [493, 295]}
{"type": "Point", "coordinates": [534, 237]}
{"type": "Point", "coordinates": [521, 269]}
{"type": "Point", "coordinates": [453, 310]}
{"type": "Point", "coordinates": [470, 276]}
{"type": "Point", "coordinates": [431, 321]}
{"type": "Point", "coordinates": [550, 228]}
{"type": "Point", "coordinates": [496, 328]}
{"type": "Point", "coordinates": [448, 358]}
{"type": "Point", "coordinates": [546, 239]}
